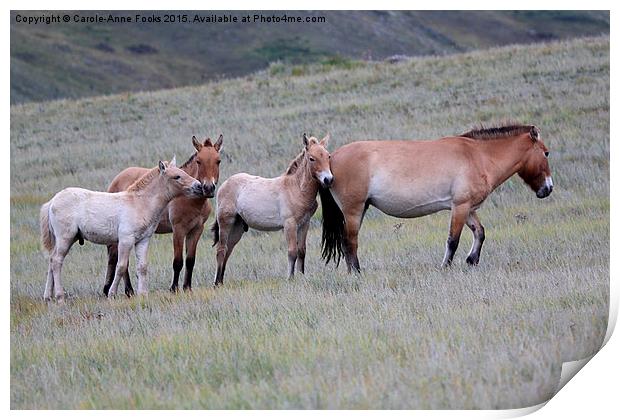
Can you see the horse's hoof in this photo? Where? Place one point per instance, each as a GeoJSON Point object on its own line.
{"type": "Point", "coordinates": [60, 299]}
{"type": "Point", "coordinates": [106, 289]}
{"type": "Point", "coordinates": [173, 289]}
{"type": "Point", "coordinates": [187, 288]}
{"type": "Point", "coordinates": [472, 260]}
{"type": "Point", "coordinates": [129, 292]}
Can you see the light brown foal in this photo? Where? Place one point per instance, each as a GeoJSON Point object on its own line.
{"type": "Point", "coordinates": [416, 178]}
{"type": "Point", "coordinates": [184, 217]}
{"type": "Point", "coordinates": [285, 202]}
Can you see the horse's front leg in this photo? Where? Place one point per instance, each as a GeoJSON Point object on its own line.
{"type": "Point", "coordinates": [478, 230]}
{"type": "Point", "coordinates": [302, 233]}
{"type": "Point", "coordinates": [142, 249]}
{"type": "Point", "coordinates": [290, 231]}
{"type": "Point", "coordinates": [457, 221]}
{"type": "Point", "coordinates": [124, 248]}
{"type": "Point", "coordinates": [178, 234]}
{"type": "Point", "coordinates": [191, 243]}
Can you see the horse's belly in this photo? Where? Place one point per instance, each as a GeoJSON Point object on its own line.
{"type": "Point", "coordinates": [409, 195]}
{"type": "Point", "coordinates": [99, 237]}
{"type": "Point", "coordinates": [409, 209]}
{"type": "Point", "coordinates": [259, 207]}
{"type": "Point", "coordinates": [262, 220]}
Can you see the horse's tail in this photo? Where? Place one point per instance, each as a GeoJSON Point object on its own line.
{"type": "Point", "coordinates": [47, 234]}
{"type": "Point", "coordinates": [332, 237]}
{"type": "Point", "coordinates": [215, 230]}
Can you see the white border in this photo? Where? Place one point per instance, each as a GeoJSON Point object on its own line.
{"type": "Point", "coordinates": [593, 393]}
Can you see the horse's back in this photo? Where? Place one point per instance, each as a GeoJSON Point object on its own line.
{"type": "Point", "coordinates": [255, 199]}
{"type": "Point", "coordinates": [126, 177]}
{"type": "Point", "coordinates": [402, 178]}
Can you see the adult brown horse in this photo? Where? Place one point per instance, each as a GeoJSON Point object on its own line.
{"type": "Point", "coordinates": [184, 217]}
{"type": "Point", "coordinates": [416, 178]}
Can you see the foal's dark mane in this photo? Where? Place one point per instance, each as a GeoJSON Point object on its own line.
{"type": "Point", "coordinates": [189, 161]}
{"type": "Point", "coordinates": [490, 133]}
{"type": "Point", "coordinates": [295, 163]}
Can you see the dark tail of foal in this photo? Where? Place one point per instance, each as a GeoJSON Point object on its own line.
{"type": "Point", "coordinates": [332, 238]}
{"type": "Point", "coordinates": [215, 229]}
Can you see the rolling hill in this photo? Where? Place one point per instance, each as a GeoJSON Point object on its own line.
{"type": "Point", "coordinates": [71, 60]}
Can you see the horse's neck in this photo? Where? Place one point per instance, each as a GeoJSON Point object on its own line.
{"type": "Point", "coordinates": [505, 157]}
{"type": "Point", "coordinates": [191, 169]}
{"type": "Point", "coordinates": [305, 182]}
{"type": "Point", "coordinates": [153, 198]}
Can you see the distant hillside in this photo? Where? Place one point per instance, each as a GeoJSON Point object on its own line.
{"type": "Point", "coordinates": [69, 60]}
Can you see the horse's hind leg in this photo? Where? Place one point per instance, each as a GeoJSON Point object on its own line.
{"type": "Point", "coordinates": [56, 260]}
{"type": "Point", "coordinates": [230, 235]}
{"type": "Point", "coordinates": [178, 234]}
{"type": "Point", "coordinates": [49, 284]}
{"type": "Point", "coordinates": [458, 217]}
{"type": "Point", "coordinates": [473, 222]}
{"type": "Point", "coordinates": [191, 243]}
{"type": "Point", "coordinates": [352, 222]}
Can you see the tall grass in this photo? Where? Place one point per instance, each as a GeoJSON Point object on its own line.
{"type": "Point", "coordinates": [405, 334]}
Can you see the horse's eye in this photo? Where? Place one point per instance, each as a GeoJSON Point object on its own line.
{"type": "Point", "coordinates": [219, 161]}
{"type": "Point", "coordinates": [312, 159]}
{"type": "Point", "coordinates": [177, 177]}
{"type": "Point", "coordinates": [329, 157]}
{"type": "Point", "coordinates": [546, 154]}
{"type": "Point", "coordinates": [198, 162]}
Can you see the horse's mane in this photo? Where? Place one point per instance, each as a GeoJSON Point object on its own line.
{"type": "Point", "coordinates": [189, 161]}
{"type": "Point", "coordinates": [143, 181]}
{"type": "Point", "coordinates": [507, 130]}
{"type": "Point", "coordinates": [295, 163]}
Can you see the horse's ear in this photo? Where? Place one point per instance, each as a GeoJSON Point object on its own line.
{"type": "Point", "coordinates": [218, 143]}
{"type": "Point", "coordinates": [305, 139]}
{"type": "Point", "coordinates": [162, 167]}
{"type": "Point", "coordinates": [196, 144]}
{"type": "Point", "coordinates": [325, 141]}
{"type": "Point", "coordinates": [173, 162]}
{"type": "Point", "coordinates": [534, 133]}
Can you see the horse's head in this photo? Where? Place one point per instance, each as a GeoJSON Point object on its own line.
{"type": "Point", "coordinates": [207, 163]}
{"type": "Point", "coordinates": [535, 170]}
{"type": "Point", "coordinates": [318, 159]}
{"type": "Point", "coordinates": [178, 181]}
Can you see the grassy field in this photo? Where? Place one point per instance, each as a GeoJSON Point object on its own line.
{"type": "Point", "coordinates": [70, 60]}
{"type": "Point", "coordinates": [405, 334]}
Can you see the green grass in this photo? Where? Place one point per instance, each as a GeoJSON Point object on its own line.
{"type": "Point", "coordinates": [70, 60]}
{"type": "Point", "coordinates": [405, 334]}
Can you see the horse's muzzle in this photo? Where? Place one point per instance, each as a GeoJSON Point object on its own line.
{"type": "Point", "coordinates": [546, 189]}
{"type": "Point", "coordinates": [327, 181]}
{"type": "Point", "coordinates": [196, 189]}
{"type": "Point", "coordinates": [208, 189]}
